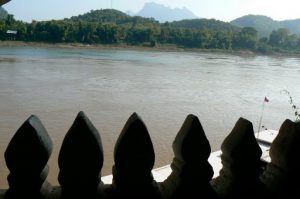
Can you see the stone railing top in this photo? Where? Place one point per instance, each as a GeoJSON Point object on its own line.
{"type": "Point", "coordinates": [81, 159]}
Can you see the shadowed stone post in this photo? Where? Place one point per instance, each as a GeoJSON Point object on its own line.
{"type": "Point", "coordinates": [239, 177]}
{"type": "Point", "coordinates": [191, 171]}
{"type": "Point", "coordinates": [282, 175]}
{"type": "Point", "coordinates": [2, 2]}
{"type": "Point", "coordinates": [26, 157]}
{"type": "Point", "coordinates": [134, 160]}
{"type": "Point", "coordinates": [80, 160]}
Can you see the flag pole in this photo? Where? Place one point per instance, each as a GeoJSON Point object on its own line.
{"type": "Point", "coordinates": [261, 117]}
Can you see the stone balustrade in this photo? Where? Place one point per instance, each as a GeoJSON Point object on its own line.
{"type": "Point", "coordinates": [81, 158]}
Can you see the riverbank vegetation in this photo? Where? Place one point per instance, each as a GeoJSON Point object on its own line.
{"type": "Point", "coordinates": [114, 27]}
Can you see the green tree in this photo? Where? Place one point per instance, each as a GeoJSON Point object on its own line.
{"type": "Point", "coordinates": [292, 41]}
{"type": "Point", "coordinates": [247, 38]}
{"type": "Point", "coordinates": [279, 37]}
{"type": "Point", "coordinates": [164, 36]}
{"type": "Point", "coordinates": [2, 30]}
{"type": "Point", "coordinates": [9, 20]}
{"type": "Point", "coordinates": [263, 46]}
{"type": "Point", "coordinates": [107, 33]}
{"type": "Point", "coordinates": [222, 40]}
{"type": "Point", "coordinates": [85, 32]}
{"type": "Point", "coordinates": [56, 31]}
{"type": "Point", "coordinates": [206, 38]}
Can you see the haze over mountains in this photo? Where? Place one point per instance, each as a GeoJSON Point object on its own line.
{"type": "Point", "coordinates": [163, 13]}
{"type": "Point", "coordinates": [265, 25]}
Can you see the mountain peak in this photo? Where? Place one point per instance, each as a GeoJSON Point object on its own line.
{"type": "Point", "coordinates": [164, 13]}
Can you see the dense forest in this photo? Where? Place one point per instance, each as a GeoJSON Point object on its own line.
{"type": "Point", "coordinates": [114, 27]}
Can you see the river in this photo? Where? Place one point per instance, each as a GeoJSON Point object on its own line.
{"type": "Point", "coordinates": [162, 87]}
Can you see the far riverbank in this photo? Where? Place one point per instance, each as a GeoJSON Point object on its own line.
{"type": "Point", "coordinates": [161, 48]}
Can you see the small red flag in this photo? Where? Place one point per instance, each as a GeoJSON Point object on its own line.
{"type": "Point", "coordinates": [266, 99]}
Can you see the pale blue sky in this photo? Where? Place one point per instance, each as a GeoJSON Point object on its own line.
{"type": "Point", "coordinates": [225, 10]}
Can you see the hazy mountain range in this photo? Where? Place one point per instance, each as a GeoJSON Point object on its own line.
{"type": "Point", "coordinates": [163, 13]}
{"type": "Point", "coordinates": [263, 24]}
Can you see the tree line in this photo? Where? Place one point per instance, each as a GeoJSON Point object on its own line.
{"type": "Point", "coordinates": [148, 32]}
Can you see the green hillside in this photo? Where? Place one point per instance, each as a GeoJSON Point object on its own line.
{"type": "Point", "coordinates": [210, 24]}
{"type": "Point", "coordinates": [264, 25]}
{"type": "Point", "coordinates": [111, 16]}
{"type": "Point", "coordinates": [120, 18]}
{"type": "Point", "coordinates": [102, 16]}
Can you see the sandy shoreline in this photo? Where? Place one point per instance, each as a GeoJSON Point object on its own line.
{"type": "Point", "coordinates": [158, 48]}
{"type": "Point", "coordinates": [161, 48]}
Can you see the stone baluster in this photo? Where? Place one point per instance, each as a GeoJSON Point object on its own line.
{"type": "Point", "coordinates": [239, 177]}
{"type": "Point", "coordinates": [80, 160]}
{"type": "Point", "coordinates": [283, 173]}
{"type": "Point", "coordinates": [191, 171]}
{"type": "Point", "coordinates": [26, 157]}
{"type": "Point", "coordinates": [134, 159]}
